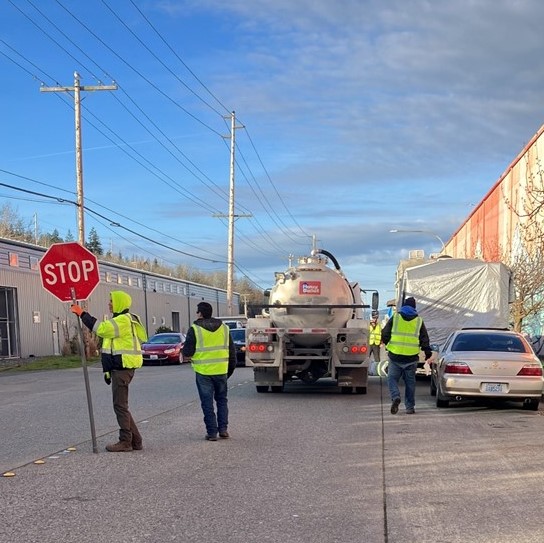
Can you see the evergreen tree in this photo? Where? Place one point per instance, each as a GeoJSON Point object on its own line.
{"type": "Point", "coordinates": [94, 244]}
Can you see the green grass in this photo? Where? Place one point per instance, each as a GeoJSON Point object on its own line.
{"type": "Point", "coordinates": [46, 363]}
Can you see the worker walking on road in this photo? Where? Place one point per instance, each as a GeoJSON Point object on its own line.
{"type": "Point", "coordinates": [121, 355]}
{"type": "Point", "coordinates": [404, 336]}
{"type": "Point", "coordinates": [374, 337]}
{"type": "Point", "coordinates": [210, 349]}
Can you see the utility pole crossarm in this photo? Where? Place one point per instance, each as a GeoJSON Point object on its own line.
{"type": "Point", "coordinates": [76, 89]}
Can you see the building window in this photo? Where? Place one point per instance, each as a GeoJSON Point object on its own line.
{"type": "Point", "coordinates": [34, 263]}
{"type": "Point", "coordinates": [14, 260]}
{"type": "Point", "coordinates": [108, 277]}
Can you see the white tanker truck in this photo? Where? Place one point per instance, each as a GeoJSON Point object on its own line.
{"type": "Point", "coordinates": [312, 328]}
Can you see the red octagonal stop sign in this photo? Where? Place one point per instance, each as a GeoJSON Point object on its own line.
{"type": "Point", "coordinates": [67, 266]}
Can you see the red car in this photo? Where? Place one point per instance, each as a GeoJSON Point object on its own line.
{"type": "Point", "coordinates": [163, 348]}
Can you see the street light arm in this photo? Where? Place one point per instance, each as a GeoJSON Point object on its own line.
{"type": "Point", "coordinates": [397, 231]}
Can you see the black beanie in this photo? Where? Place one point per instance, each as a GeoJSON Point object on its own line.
{"type": "Point", "coordinates": [410, 301]}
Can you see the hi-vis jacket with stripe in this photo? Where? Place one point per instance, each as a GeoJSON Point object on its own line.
{"type": "Point", "coordinates": [211, 356]}
{"type": "Point", "coordinates": [211, 353]}
{"type": "Point", "coordinates": [404, 335]}
{"type": "Point", "coordinates": [121, 335]}
{"type": "Point", "coordinates": [375, 334]}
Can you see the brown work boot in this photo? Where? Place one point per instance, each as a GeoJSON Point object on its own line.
{"type": "Point", "coordinates": [224, 435]}
{"type": "Point", "coordinates": [120, 446]}
{"type": "Point", "coordinates": [137, 446]}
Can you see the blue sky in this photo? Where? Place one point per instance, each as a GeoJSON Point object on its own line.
{"type": "Point", "coordinates": [358, 117]}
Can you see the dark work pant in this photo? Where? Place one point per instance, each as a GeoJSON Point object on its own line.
{"type": "Point", "coordinates": [210, 388]}
{"type": "Point", "coordinates": [128, 431]}
{"type": "Point", "coordinates": [375, 352]}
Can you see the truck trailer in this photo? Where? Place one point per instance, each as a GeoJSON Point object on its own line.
{"type": "Point", "coordinates": [453, 293]}
{"type": "Point", "coordinates": [311, 328]}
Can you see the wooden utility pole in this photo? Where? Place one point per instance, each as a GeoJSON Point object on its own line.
{"type": "Point", "coordinates": [231, 216]}
{"type": "Point", "coordinates": [76, 89]}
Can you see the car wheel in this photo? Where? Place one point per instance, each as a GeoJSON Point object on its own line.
{"type": "Point", "coordinates": [346, 390]}
{"type": "Point", "coordinates": [440, 400]}
{"type": "Point", "coordinates": [276, 388]}
{"type": "Point", "coordinates": [261, 388]}
{"type": "Point", "coordinates": [360, 390]}
{"type": "Point", "coordinates": [433, 386]}
{"type": "Point", "coordinates": [531, 404]}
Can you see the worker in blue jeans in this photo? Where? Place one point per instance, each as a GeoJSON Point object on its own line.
{"type": "Point", "coordinates": [404, 336]}
{"type": "Point", "coordinates": [210, 349]}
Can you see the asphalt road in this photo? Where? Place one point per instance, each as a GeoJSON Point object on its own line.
{"type": "Point", "coordinates": [308, 465]}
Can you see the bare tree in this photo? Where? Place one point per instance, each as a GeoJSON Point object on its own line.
{"type": "Point", "coordinates": [526, 255]}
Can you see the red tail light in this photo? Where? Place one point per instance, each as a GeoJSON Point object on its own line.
{"type": "Point", "coordinates": [458, 368]}
{"type": "Point", "coordinates": [354, 349]}
{"type": "Point", "coordinates": [257, 347]}
{"type": "Point", "coordinates": [532, 370]}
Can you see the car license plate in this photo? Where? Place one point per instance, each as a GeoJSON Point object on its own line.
{"type": "Point", "coordinates": [153, 356]}
{"type": "Point", "coordinates": [494, 387]}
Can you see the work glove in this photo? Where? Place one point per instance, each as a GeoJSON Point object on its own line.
{"type": "Point", "coordinates": [76, 309]}
{"type": "Point", "coordinates": [107, 377]}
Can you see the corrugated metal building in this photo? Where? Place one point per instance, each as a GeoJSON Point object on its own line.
{"type": "Point", "coordinates": [492, 229]}
{"type": "Point", "coordinates": [34, 323]}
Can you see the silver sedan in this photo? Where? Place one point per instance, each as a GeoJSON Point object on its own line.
{"type": "Point", "coordinates": [486, 363]}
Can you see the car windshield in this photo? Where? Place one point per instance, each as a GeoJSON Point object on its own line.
{"type": "Point", "coordinates": [165, 340]}
{"type": "Point", "coordinates": [489, 342]}
{"type": "Point", "coordinates": [238, 334]}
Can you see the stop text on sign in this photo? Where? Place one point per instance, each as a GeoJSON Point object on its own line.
{"type": "Point", "coordinates": [68, 272]}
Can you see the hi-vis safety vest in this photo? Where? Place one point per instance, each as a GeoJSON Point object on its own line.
{"type": "Point", "coordinates": [122, 336]}
{"type": "Point", "coordinates": [375, 337]}
{"type": "Point", "coordinates": [211, 355]}
{"type": "Point", "coordinates": [404, 336]}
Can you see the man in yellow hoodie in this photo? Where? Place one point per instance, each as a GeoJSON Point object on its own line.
{"type": "Point", "coordinates": [121, 355]}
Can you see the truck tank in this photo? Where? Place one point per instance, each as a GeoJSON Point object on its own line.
{"type": "Point", "coordinates": [311, 284]}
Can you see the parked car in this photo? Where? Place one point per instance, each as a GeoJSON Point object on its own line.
{"type": "Point", "coordinates": [486, 363]}
{"type": "Point", "coordinates": [164, 348]}
{"type": "Point", "coordinates": [238, 336]}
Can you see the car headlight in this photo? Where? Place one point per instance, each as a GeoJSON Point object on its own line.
{"type": "Point", "coordinates": [169, 351]}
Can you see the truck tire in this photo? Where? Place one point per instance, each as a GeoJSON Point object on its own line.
{"type": "Point", "coordinates": [360, 390]}
{"type": "Point", "coordinates": [262, 388]}
{"type": "Point", "coordinates": [346, 390]}
{"type": "Point", "coordinates": [276, 388]}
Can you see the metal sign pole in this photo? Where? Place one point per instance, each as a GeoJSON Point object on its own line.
{"type": "Point", "coordinates": [86, 375]}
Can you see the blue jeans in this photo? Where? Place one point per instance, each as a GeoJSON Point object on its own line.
{"type": "Point", "coordinates": [210, 388]}
{"type": "Point", "coordinates": [406, 371]}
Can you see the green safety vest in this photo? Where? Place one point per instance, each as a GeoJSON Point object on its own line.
{"type": "Point", "coordinates": [211, 355]}
{"type": "Point", "coordinates": [122, 336]}
{"type": "Point", "coordinates": [404, 336]}
{"type": "Point", "coordinates": [375, 337]}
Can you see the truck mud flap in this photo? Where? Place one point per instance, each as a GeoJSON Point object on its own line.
{"type": "Point", "coordinates": [267, 376]}
{"type": "Point", "coordinates": [352, 377]}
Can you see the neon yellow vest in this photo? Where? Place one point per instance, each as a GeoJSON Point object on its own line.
{"type": "Point", "coordinates": [404, 336]}
{"type": "Point", "coordinates": [211, 350]}
{"type": "Point", "coordinates": [375, 337]}
{"type": "Point", "coordinates": [121, 336]}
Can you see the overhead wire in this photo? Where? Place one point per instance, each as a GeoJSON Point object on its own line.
{"type": "Point", "coordinates": [216, 188]}
{"type": "Point", "coordinates": [263, 231]}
